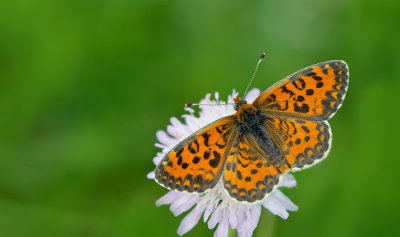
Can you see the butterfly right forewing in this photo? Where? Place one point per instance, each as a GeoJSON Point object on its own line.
{"type": "Point", "coordinates": [313, 93]}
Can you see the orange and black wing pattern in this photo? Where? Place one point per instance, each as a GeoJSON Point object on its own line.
{"type": "Point", "coordinates": [313, 93]}
{"type": "Point", "coordinates": [284, 129]}
{"type": "Point", "coordinates": [301, 142]}
{"type": "Point", "coordinates": [298, 108]}
{"type": "Point", "coordinates": [250, 173]}
{"type": "Point", "coordinates": [195, 164]}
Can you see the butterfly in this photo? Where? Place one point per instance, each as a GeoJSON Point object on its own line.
{"type": "Point", "coordinates": [284, 129]}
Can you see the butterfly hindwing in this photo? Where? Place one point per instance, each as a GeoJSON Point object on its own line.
{"type": "Point", "coordinates": [302, 142]}
{"type": "Point", "coordinates": [314, 93]}
{"type": "Point", "coordinates": [195, 164]}
{"type": "Point", "coordinates": [249, 175]}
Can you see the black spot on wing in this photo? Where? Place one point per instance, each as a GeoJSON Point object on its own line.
{"type": "Point", "coordinates": [305, 129]}
{"type": "Point", "coordinates": [185, 165]}
{"type": "Point", "coordinates": [215, 162]}
{"type": "Point", "coordinates": [309, 92]}
{"type": "Point", "coordinates": [317, 78]}
{"type": "Point", "coordinates": [239, 174]}
{"type": "Point", "coordinates": [206, 155]}
{"type": "Point", "coordinates": [303, 109]}
{"type": "Point", "coordinates": [196, 160]}
{"type": "Point", "coordinates": [194, 147]}
{"type": "Point", "coordinates": [206, 136]}
{"type": "Point", "coordinates": [179, 152]}
{"type": "Point", "coordinates": [219, 129]}
{"type": "Point", "coordinates": [299, 84]}
{"type": "Point", "coordinates": [299, 98]}
{"type": "Point", "coordinates": [287, 91]}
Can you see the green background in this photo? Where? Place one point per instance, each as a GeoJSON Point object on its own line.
{"type": "Point", "coordinates": [84, 86]}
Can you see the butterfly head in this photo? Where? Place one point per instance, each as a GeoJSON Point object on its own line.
{"type": "Point", "coordinates": [239, 102]}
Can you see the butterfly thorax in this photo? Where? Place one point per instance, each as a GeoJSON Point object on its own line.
{"type": "Point", "coordinates": [245, 113]}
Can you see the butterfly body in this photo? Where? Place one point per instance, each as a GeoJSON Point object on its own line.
{"type": "Point", "coordinates": [250, 121]}
{"type": "Point", "coordinates": [284, 129]}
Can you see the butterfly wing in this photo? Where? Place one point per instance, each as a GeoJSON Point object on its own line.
{"type": "Point", "coordinates": [313, 93]}
{"type": "Point", "coordinates": [303, 143]}
{"type": "Point", "coordinates": [249, 173]}
{"type": "Point", "coordinates": [195, 164]}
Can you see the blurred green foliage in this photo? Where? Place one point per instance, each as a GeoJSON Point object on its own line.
{"type": "Point", "coordinates": [84, 86]}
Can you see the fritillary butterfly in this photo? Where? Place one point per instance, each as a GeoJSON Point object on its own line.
{"type": "Point", "coordinates": [284, 129]}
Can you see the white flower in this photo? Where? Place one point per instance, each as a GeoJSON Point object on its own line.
{"type": "Point", "coordinates": [216, 206]}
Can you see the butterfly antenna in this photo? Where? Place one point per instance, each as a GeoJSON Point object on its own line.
{"type": "Point", "coordinates": [248, 86]}
{"type": "Point", "coordinates": [254, 73]}
{"type": "Point", "coordinates": [193, 104]}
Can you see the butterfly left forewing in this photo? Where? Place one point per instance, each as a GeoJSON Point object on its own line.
{"type": "Point", "coordinates": [195, 164]}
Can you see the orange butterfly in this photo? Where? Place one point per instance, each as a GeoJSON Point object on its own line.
{"type": "Point", "coordinates": [284, 129]}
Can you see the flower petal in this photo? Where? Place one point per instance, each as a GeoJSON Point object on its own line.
{"type": "Point", "coordinates": [150, 175]}
{"type": "Point", "coordinates": [250, 218]}
{"type": "Point", "coordinates": [215, 217]}
{"type": "Point", "coordinates": [233, 220]}
{"type": "Point", "coordinates": [274, 206]}
{"type": "Point", "coordinates": [188, 109]}
{"type": "Point", "coordinates": [192, 122]}
{"type": "Point", "coordinates": [178, 129]}
{"type": "Point", "coordinates": [158, 158]}
{"type": "Point", "coordinates": [287, 181]}
{"type": "Point", "coordinates": [163, 137]}
{"type": "Point", "coordinates": [222, 230]}
{"type": "Point", "coordinates": [182, 204]}
{"type": "Point", "coordinates": [209, 209]}
{"type": "Point", "coordinates": [168, 198]}
{"type": "Point", "coordinates": [190, 220]}
{"type": "Point", "coordinates": [160, 146]}
{"type": "Point", "coordinates": [252, 95]}
{"type": "Point", "coordinates": [284, 200]}
{"type": "Point", "coordinates": [216, 95]}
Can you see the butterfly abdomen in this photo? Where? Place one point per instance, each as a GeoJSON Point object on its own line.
{"type": "Point", "coordinates": [251, 121]}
